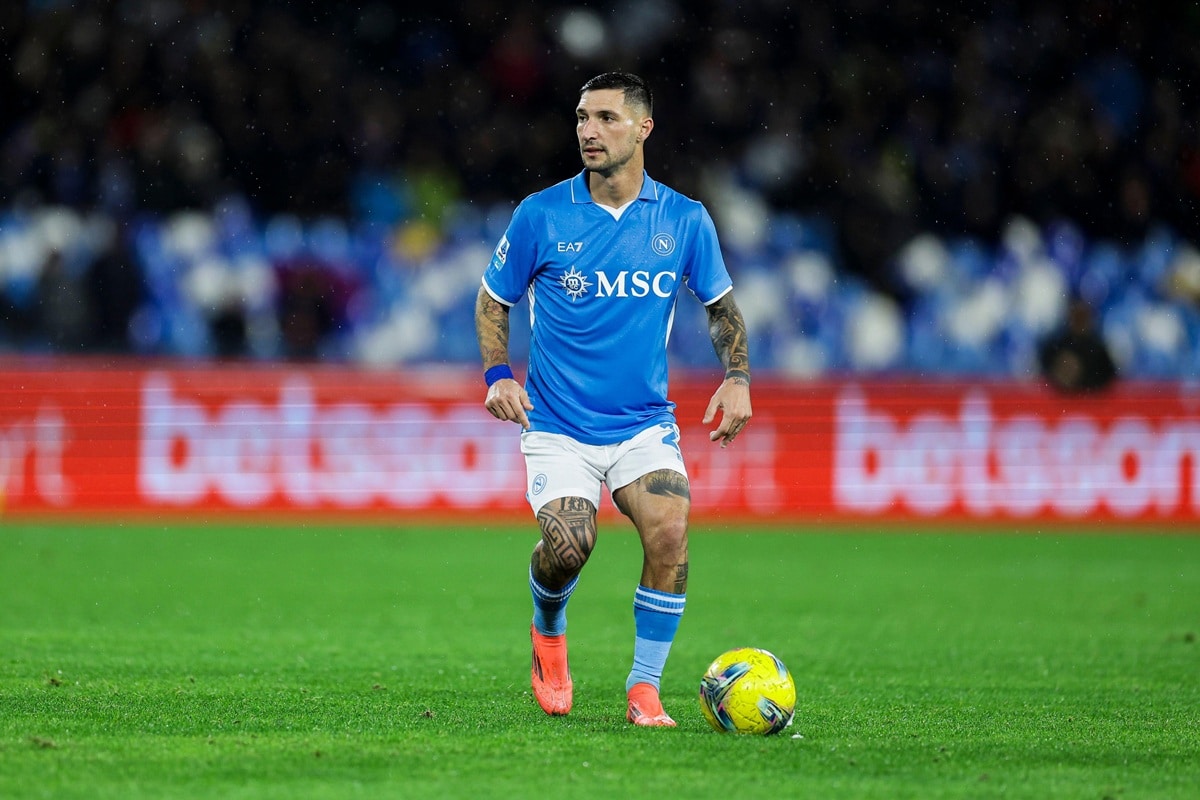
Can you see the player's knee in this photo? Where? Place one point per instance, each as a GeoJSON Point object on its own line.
{"type": "Point", "coordinates": [666, 542]}
{"type": "Point", "coordinates": [568, 535]}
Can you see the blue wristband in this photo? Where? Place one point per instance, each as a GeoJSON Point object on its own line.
{"type": "Point", "coordinates": [498, 373]}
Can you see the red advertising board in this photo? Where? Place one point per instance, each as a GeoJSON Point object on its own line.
{"type": "Point", "coordinates": [83, 437]}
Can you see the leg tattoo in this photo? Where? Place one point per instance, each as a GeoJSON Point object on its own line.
{"type": "Point", "coordinates": [568, 536]}
{"type": "Point", "coordinates": [666, 482]}
{"type": "Point", "coordinates": [681, 578]}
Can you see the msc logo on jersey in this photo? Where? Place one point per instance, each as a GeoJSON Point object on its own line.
{"type": "Point", "coordinates": [626, 283]}
{"type": "Point", "coordinates": [635, 283]}
{"type": "Point", "coordinates": [575, 283]}
{"type": "Point", "coordinates": [663, 244]}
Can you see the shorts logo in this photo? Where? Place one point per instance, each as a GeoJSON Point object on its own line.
{"type": "Point", "coordinates": [663, 244]}
{"type": "Point", "coordinates": [672, 437]}
{"type": "Point", "coordinates": [539, 483]}
{"type": "Point", "coordinates": [575, 282]}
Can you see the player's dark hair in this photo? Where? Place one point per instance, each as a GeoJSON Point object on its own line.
{"type": "Point", "coordinates": [637, 93]}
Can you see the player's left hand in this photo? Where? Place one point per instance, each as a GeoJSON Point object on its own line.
{"type": "Point", "coordinates": [732, 398]}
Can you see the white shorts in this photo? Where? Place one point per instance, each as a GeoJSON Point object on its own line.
{"type": "Point", "coordinates": [558, 466]}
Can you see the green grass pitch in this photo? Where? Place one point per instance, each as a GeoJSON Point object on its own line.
{"type": "Point", "coordinates": [280, 661]}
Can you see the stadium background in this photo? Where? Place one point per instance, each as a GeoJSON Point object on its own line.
{"type": "Point", "coordinates": [215, 214]}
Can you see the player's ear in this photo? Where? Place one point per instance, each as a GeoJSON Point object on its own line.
{"type": "Point", "coordinates": [647, 126]}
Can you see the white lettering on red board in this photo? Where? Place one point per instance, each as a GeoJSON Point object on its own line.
{"type": "Point", "coordinates": [35, 446]}
{"type": "Point", "coordinates": [353, 455]}
{"type": "Point", "coordinates": [1022, 466]}
{"type": "Point", "coordinates": [348, 454]}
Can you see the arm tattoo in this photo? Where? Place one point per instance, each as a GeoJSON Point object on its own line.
{"type": "Point", "coordinates": [568, 535]}
{"type": "Point", "coordinates": [491, 328]}
{"type": "Point", "coordinates": [668, 482]}
{"type": "Point", "coordinates": [728, 331]}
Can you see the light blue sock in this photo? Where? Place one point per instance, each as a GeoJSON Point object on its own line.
{"type": "Point", "coordinates": [550, 607]}
{"type": "Point", "coordinates": [656, 618]}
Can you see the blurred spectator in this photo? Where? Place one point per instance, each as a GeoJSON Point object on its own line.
{"type": "Point", "coordinates": [115, 289]}
{"type": "Point", "coordinates": [311, 309]}
{"type": "Point", "coordinates": [1076, 358]}
{"type": "Point", "coordinates": [63, 313]}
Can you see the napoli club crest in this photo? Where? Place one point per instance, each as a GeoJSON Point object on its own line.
{"type": "Point", "coordinates": [663, 244]}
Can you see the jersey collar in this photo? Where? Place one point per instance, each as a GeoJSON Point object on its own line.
{"type": "Point", "coordinates": [581, 194]}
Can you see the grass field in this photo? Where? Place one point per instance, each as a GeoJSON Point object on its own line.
{"type": "Point", "coordinates": [276, 661]}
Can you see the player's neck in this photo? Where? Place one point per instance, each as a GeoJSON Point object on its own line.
{"type": "Point", "coordinates": [618, 189]}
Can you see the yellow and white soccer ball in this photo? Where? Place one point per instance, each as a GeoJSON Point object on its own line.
{"type": "Point", "coordinates": [748, 690]}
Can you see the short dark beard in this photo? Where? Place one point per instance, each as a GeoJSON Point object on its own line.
{"type": "Point", "coordinates": [608, 171]}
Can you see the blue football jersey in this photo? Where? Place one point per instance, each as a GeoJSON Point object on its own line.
{"type": "Point", "coordinates": [602, 295]}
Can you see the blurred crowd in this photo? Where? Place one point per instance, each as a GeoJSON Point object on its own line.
{"type": "Point", "coordinates": [885, 121]}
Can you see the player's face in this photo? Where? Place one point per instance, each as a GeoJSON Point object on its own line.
{"type": "Point", "coordinates": [609, 131]}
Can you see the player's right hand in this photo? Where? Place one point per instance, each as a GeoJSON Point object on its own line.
{"type": "Point", "coordinates": [508, 400]}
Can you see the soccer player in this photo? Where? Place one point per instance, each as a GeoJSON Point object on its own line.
{"type": "Point", "coordinates": [603, 257]}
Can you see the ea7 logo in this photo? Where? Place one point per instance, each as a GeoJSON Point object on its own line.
{"type": "Point", "coordinates": [640, 283]}
{"type": "Point", "coordinates": [570, 247]}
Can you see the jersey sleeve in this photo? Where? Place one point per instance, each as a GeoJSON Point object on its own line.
{"type": "Point", "coordinates": [510, 270]}
{"type": "Point", "coordinates": [708, 277]}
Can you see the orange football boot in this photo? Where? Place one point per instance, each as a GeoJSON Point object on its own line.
{"type": "Point", "coordinates": [646, 709]}
{"type": "Point", "coordinates": [550, 676]}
